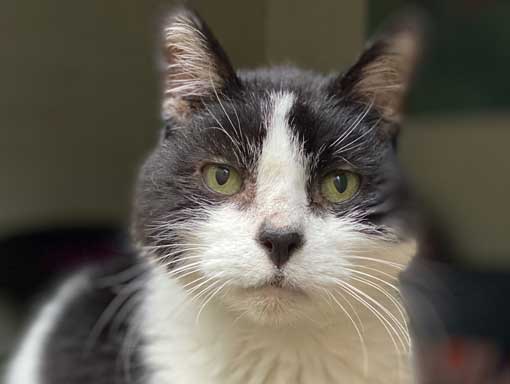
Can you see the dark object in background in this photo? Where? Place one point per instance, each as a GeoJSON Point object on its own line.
{"type": "Point", "coordinates": [460, 319]}
{"type": "Point", "coordinates": [33, 259]}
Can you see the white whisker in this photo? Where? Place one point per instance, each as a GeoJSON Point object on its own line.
{"type": "Point", "coordinates": [357, 329]}
{"type": "Point", "coordinates": [397, 305]}
{"type": "Point", "coordinates": [385, 262]}
{"type": "Point", "coordinates": [353, 126]}
{"type": "Point", "coordinates": [208, 299]}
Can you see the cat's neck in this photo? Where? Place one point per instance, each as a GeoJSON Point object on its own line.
{"type": "Point", "coordinates": [183, 343]}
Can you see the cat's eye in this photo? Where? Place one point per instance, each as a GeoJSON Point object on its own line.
{"type": "Point", "coordinates": [222, 179]}
{"type": "Point", "coordinates": [339, 186]}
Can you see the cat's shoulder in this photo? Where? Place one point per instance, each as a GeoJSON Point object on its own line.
{"type": "Point", "coordinates": [77, 332]}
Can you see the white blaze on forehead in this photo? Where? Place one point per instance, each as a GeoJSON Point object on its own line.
{"type": "Point", "coordinates": [281, 177]}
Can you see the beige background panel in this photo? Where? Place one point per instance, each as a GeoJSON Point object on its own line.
{"type": "Point", "coordinates": [79, 101]}
{"type": "Point", "coordinates": [77, 109]}
{"type": "Point", "coordinates": [460, 164]}
{"type": "Point", "coordinates": [323, 35]}
{"type": "Point", "coordinates": [239, 26]}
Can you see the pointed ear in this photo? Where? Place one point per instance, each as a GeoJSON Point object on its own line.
{"type": "Point", "coordinates": [383, 73]}
{"type": "Point", "coordinates": [195, 65]}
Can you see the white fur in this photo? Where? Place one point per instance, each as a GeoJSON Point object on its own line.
{"type": "Point", "coordinates": [221, 348]}
{"type": "Point", "coordinates": [281, 178]}
{"type": "Point", "coordinates": [26, 365]}
{"type": "Point", "coordinates": [238, 330]}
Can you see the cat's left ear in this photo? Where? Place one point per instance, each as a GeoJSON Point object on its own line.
{"type": "Point", "coordinates": [382, 75]}
{"type": "Point", "coordinates": [195, 66]}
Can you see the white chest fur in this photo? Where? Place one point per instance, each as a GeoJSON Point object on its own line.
{"type": "Point", "coordinates": [219, 348]}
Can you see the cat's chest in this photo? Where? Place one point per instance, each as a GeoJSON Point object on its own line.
{"type": "Point", "coordinates": [240, 357]}
{"type": "Point", "coordinates": [181, 347]}
{"type": "Point", "coordinates": [253, 362]}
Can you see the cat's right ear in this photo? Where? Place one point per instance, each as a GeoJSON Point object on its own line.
{"type": "Point", "coordinates": [195, 67]}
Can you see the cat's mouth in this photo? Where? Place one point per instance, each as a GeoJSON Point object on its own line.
{"type": "Point", "coordinates": [274, 300]}
{"type": "Point", "coordinates": [276, 285]}
{"type": "Point", "coordinates": [277, 281]}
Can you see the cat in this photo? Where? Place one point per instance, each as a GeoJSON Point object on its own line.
{"type": "Point", "coordinates": [270, 224]}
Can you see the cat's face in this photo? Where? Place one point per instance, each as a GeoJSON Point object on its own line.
{"type": "Point", "coordinates": [269, 189]}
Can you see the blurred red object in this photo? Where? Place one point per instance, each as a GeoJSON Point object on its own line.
{"type": "Point", "coordinates": [461, 361]}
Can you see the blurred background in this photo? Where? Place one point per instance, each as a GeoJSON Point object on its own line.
{"type": "Point", "coordinates": [79, 111]}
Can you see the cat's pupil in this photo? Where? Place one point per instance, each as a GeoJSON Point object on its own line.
{"type": "Point", "coordinates": [222, 175]}
{"type": "Point", "coordinates": [340, 182]}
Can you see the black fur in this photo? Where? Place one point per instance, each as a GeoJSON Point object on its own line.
{"type": "Point", "coordinates": [72, 353]}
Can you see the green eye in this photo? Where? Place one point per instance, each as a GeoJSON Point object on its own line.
{"type": "Point", "coordinates": [339, 186]}
{"type": "Point", "coordinates": [222, 179]}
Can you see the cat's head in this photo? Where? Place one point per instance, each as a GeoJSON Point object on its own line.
{"type": "Point", "coordinates": [273, 189]}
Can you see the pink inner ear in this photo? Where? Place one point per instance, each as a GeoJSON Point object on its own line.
{"type": "Point", "coordinates": [383, 73]}
{"type": "Point", "coordinates": [195, 64]}
{"type": "Point", "coordinates": [191, 68]}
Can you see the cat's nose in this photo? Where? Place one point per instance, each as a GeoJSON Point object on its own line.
{"type": "Point", "coordinates": [280, 244]}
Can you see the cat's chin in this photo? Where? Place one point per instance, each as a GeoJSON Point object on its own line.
{"type": "Point", "coordinates": [269, 304]}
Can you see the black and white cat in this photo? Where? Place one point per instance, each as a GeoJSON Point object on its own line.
{"type": "Point", "coordinates": [271, 221]}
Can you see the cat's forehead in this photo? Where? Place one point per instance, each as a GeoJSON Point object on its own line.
{"type": "Point", "coordinates": [323, 129]}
